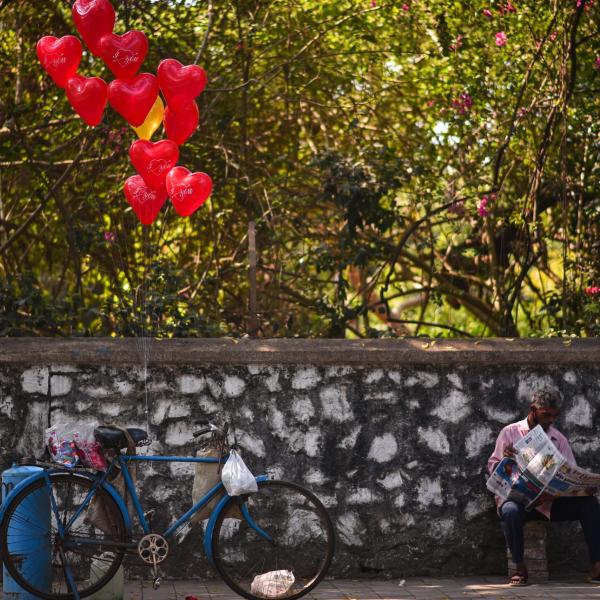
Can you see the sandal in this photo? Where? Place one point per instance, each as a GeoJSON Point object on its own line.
{"type": "Point", "coordinates": [518, 579]}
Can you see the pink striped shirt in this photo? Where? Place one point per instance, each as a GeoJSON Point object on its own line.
{"type": "Point", "coordinates": [511, 434]}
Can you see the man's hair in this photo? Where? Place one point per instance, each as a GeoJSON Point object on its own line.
{"type": "Point", "coordinates": [545, 397]}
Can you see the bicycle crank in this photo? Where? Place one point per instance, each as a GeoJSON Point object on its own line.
{"type": "Point", "coordinates": [153, 548]}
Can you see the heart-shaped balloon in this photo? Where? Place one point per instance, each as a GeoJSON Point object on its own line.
{"type": "Point", "coordinates": [180, 84]}
{"type": "Point", "coordinates": [60, 57]}
{"type": "Point", "coordinates": [133, 98]}
{"type": "Point", "coordinates": [145, 201]}
{"type": "Point", "coordinates": [88, 96]}
{"type": "Point", "coordinates": [124, 54]}
{"type": "Point", "coordinates": [152, 122]}
{"type": "Point", "coordinates": [93, 19]}
{"type": "Point", "coordinates": [180, 124]}
{"type": "Point", "coordinates": [154, 160]}
{"type": "Point", "coordinates": [188, 191]}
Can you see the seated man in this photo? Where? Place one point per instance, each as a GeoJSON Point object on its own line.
{"type": "Point", "coordinates": [544, 410]}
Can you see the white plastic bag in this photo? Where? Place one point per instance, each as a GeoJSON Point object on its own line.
{"type": "Point", "coordinates": [274, 584]}
{"type": "Point", "coordinates": [237, 477]}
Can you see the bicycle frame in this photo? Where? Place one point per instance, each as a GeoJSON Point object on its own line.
{"type": "Point", "coordinates": [101, 480]}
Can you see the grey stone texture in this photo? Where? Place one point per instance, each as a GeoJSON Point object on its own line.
{"type": "Point", "coordinates": [393, 437]}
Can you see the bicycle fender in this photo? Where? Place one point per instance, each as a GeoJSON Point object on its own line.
{"type": "Point", "coordinates": [214, 515]}
{"type": "Point", "coordinates": [42, 474]}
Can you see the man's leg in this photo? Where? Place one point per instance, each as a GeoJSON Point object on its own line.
{"type": "Point", "coordinates": [586, 510]}
{"type": "Point", "coordinates": [513, 518]}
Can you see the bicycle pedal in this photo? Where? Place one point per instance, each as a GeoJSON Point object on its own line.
{"type": "Point", "coordinates": [156, 583]}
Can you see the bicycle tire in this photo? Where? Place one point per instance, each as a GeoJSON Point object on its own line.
{"type": "Point", "coordinates": [289, 521]}
{"type": "Point", "coordinates": [25, 526]}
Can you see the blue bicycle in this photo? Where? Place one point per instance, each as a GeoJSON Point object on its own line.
{"type": "Point", "coordinates": [65, 532]}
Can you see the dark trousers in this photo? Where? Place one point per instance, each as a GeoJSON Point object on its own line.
{"type": "Point", "coordinates": [584, 509]}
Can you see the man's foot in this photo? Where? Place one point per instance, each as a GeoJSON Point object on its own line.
{"type": "Point", "coordinates": [518, 578]}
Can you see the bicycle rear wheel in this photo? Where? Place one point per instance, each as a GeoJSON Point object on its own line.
{"type": "Point", "coordinates": [48, 564]}
{"type": "Point", "coordinates": [288, 530]}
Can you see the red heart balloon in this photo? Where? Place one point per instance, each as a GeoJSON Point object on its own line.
{"type": "Point", "coordinates": [133, 98]}
{"type": "Point", "coordinates": [145, 201]}
{"type": "Point", "coordinates": [60, 57]}
{"type": "Point", "coordinates": [124, 54]}
{"type": "Point", "coordinates": [153, 160]}
{"type": "Point", "coordinates": [188, 191]}
{"type": "Point", "coordinates": [87, 96]}
{"type": "Point", "coordinates": [180, 84]}
{"type": "Point", "coordinates": [180, 124]}
{"type": "Point", "coordinates": [93, 19]}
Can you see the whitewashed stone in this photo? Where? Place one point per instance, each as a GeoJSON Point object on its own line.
{"type": "Point", "coordinates": [303, 409]}
{"type": "Point", "coordinates": [478, 437]}
{"type": "Point", "coordinates": [427, 380]}
{"type": "Point", "coordinates": [349, 441]}
{"type": "Point", "coordinates": [453, 408]}
{"type": "Point", "coordinates": [335, 405]}
{"type": "Point", "coordinates": [374, 376]}
{"type": "Point", "coordinates": [435, 439]}
{"type": "Point", "coordinates": [391, 481]}
{"type": "Point", "coordinates": [429, 492]}
{"type": "Point", "coordinates": [251, 443]}
{"type": "Point", "coordinates": [305, 378]}
{"type": "Point", "coordinates": [35, 380]}
{"type": "Point", "coordinates": [60, 385]}
{"type": "Point", "coordinates": [579, 413]}
{"type": "Point", "coordinates": [190, 384]}
{"type": "Point", "coordinates": [350, 529]}
{"type": "Point", "coordinates": [233, 386]}
{"type": "Point", "coordinates": [383, 448]}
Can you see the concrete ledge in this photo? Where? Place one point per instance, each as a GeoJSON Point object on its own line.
{"type": "Point", "coordinates": [388, 352]}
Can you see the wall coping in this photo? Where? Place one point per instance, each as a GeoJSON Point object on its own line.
{"type": "Point", "coordinates": [382, 352]}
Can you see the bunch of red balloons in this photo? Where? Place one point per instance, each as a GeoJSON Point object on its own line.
{"type": "Point", "coordinates": [135, 96]}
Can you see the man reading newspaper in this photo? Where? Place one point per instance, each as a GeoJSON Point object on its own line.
{"type": "Point", "coordinates": [534, 476]}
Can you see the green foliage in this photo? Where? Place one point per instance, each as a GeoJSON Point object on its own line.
{"type": "Point", "coordinates": [361, 137]}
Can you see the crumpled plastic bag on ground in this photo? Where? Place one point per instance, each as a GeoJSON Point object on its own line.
{"type": "Point", "coordinates": [274, 584]}
{"type": "Point", "coordinates": [237, 477]}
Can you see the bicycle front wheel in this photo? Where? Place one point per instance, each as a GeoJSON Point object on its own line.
{"type": "Point", "coordinates": [52, 543]}
{"type": "Point", "coordinates": [285, 533]}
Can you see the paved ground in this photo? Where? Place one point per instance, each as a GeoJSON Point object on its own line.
{"type": "Point", "coordinates": [411, 589]}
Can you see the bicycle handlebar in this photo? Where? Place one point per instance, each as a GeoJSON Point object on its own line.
{"type": "Point", "coordinates": [212, 428]}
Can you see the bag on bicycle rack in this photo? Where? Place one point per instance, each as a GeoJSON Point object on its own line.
{"type": "Point", "coordinates": [237, 477]}
{"type": "Point", "coordinates": [73, 443]}
{"type": "Point", "coordinates": [206, 476]}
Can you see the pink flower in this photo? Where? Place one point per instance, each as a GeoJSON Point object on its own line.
{"type": "Point", "coordinates": [501, 39]}
{"type": "Point", "coordinates": [457, 43]}
{"type": "Point", "coordinates": [592, 290]}
{"type": "Point", "coordinates": [373, 3]}
{"type": "Point", "coordinates": [597, 65]}
{"type": "Point", "coordinates": [482, 208]}
{"type": "Point", "coordinates": [110, 237]}
{"type": "Point", "coordinates": [488, 13]}
{"type": "Point", "coordinates": [553, 35]}
{"type": "Point", "coordinates": [462, 104]}
{"type": "Point", "coordinates": [405, 7]}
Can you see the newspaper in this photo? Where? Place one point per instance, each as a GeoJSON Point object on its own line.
{"type": "Point", "coordinates": [538, 472]}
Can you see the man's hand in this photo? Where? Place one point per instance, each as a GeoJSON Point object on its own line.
{"type": "Point", "coordinates": [509, 452]}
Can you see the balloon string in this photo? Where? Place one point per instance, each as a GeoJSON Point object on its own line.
{"type": "Point", "coordinates": [126, 5]}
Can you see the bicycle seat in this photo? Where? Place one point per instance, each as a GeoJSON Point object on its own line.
{"type": "Point", "coordinates": [113, 437]}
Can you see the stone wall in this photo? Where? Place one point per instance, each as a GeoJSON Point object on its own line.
{"type": "Point", "coordinates": [392, 435]}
